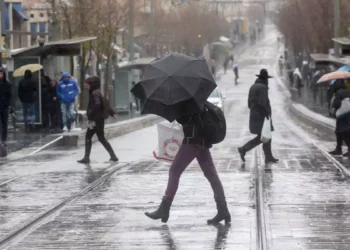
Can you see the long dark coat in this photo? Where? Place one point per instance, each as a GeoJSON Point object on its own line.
{"type": "Point", "coordinates": [342, 124]}
{"type": "Point", "coordinates": [259, 105]}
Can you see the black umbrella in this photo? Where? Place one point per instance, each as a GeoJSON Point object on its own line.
{"type": "Point", "coordinates": [174, 86]}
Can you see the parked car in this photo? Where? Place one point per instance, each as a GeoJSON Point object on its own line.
{"type": "Point", "coordinates": [217, 98]}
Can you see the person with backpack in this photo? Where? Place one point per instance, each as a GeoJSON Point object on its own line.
{"type": "Point", "coordinates": [260, 108]}
{"type": "Point", "coordinates": [97, 111]}
{"type": "Point", "coordinates": [196, 145]}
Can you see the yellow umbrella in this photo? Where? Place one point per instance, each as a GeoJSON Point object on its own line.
{"type": "Point", "coordinates": [32, 67]}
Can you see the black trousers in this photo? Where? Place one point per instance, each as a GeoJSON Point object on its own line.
{"type": "Point", "coordinates": [343, 136]}
{"type": "Point", "coordinates": [4, 116]}
{"type": "Point", "coordinates": [99, 131]}
{"type": "Point", "coordinates": [256, 142]}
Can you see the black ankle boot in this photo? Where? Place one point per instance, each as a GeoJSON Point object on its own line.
{"type": "Point", "coordinates": [271, 160]}
{"type": "Point", "coordinates": [223, 213]}
{"type": "Point", "coordinates": [162, 212]}
{"type": "Point", "coordinates": [242, 153]}
{"type": "Point", "coordinates": [114, 158]}
{"type": "Point", "coordinates": [336, 151]}
{"type": "Point", "coordinates": [88, 146]}
{"type": "Point", "coordinates": [85, 160]}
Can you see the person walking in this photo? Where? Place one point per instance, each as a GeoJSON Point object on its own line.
{"type": "Point", "coordinates": [194, 146]}
{"type": "Point", "coordinates": [5, 103]}
{"type": "Point", "coordinates": [298, 82]}
{"type": "Point", "coordinates": [342, 128]}
{"type": "Point", "coordinates": [67, 90]}
{"type": "Point", "coordinates": [260, 108]}
{"type": "Point", "coordinates": [235, 70]}
{"type": "Point", "coordinates": [96, 110]}
{"type": "Point", "coordinates": [28, 94]}
{"type": "Point", "coordinates": [225, 64]}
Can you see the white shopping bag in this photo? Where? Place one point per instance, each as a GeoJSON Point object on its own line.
{"type": "Point", "coordinates": [266, 133]}
{"type": "Point", "coordinates": [170, 136]}
{"type": "Point", "coordinates": [344, 109]}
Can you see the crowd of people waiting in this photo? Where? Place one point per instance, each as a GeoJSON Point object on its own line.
{"type": "Point", "coordinates": [305, 79]}
{"type": "Point", "coordinates": [57, 101]}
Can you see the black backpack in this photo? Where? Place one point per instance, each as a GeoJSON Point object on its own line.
{"type": "Point", "coordinates": [214, 123]}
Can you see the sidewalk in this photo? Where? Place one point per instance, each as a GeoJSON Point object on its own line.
{"type": "Point", "coordinates": [19, 140]}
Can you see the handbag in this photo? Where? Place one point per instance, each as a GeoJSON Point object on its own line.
{"type": "Point", "coordinates": [266, 132]}
{"type": "Point", "coordinates": [170, 137]}
{"type": "Point", "coordinates": [344, 109]}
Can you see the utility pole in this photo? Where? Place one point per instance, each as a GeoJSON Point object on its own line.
{"type": "Point", "coordinates": [336, 25]}
{"type": "Point", "coordinates": [2, 28]}
{"type": "Point", "coordinates": [153, 27]}
{"type": "Point", "coordinates": [131, 29]}
{"type": "Point", "coordinates": [53, 30]}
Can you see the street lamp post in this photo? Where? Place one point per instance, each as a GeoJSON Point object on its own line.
{"type": "Point", "coordinates": [336, 25]}
{"type": "Point", "coordinates": [2, 28]}
{"type": "Point", "coordinates": [131, 29]}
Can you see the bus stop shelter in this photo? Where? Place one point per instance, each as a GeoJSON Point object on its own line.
{"type": "Point", "coordinates": [326, 60]}
{"type": "Point", "coordinates": [128, 73]}
{"type": "Point", "coordinates": [55, 58]}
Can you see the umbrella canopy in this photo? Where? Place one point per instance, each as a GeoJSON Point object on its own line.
{"type": "Point", "coordinates": [334, 76]}
{"type": "Point", "coordinates": [174, 86]}
{"type": "Point", "coordinates": [32, 67]}
{"type": "Point", "coordinates": [342, 69]}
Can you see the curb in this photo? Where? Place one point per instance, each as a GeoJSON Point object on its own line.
{"type": "Point", "coordinates": [311, 120]}
{"type": "Point", "coordinates": [111, 131]}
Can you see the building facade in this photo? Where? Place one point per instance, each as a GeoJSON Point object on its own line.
{"type": "Point", "coordinates": [25, 20]}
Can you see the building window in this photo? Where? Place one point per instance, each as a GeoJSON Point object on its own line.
{"type": "Point", "coordinates": [31, 15]}
{"type": "Point", "coordinates": [41, 14]}
{"type": "Point", "coordinates": [42, 28]}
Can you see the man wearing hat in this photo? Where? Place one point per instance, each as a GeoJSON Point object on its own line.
{"type": "Point", "coordinates": [259, 105]}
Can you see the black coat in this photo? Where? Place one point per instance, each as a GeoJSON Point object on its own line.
{"type": "Point", "coordinates": [259, 105]}
{"type": "Point", "coordinates": [95, 109]}
{"type": "Point", "coordinates": [342, 124]}
{"type": "Point", "coordinates": [5, 94]}
{"type": "Point", "coordinates": [193, 128]}
{"type": "Point", "coordinates": [27, 89]}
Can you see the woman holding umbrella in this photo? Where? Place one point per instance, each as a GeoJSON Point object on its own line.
{"type": "Point", "coordinates": [165, 88]}
{"type": "Point", "coordinates": [339, 92]}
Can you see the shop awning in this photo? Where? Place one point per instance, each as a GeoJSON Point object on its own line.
{"type": "Point", "coordinates": [326, 59]}
{"type": "Point", "coordinates": [68, 47]}
{"type": "Point", "coordinates": [18, 9]}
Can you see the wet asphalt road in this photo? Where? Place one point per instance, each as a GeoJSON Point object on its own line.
{"type": "Point", "coordinates": [305, 206]}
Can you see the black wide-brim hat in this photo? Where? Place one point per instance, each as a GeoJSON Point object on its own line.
{"type": "Point", "coordinates": [264, 74]}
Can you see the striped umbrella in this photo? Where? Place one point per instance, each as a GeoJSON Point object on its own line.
{"type": "Point", "coordinates": [342, 69]}
{"type": "Point", "coordinates": [334, 76]}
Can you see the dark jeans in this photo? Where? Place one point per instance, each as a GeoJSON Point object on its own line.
{"type": "Point", "coordinates": [256, 142]}
{"type": "Point", "coordinates": [29, 113]}
{"type": "Point", "coordinates": [99, 131]}
{"type": "Point", "coordinates": [187, 153]}
{"type": "Point", "coordinates": [4, 115]}
{"type": "Point", "coordinates": [51, 116]}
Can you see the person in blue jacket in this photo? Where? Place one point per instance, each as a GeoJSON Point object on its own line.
{"type": "Point", "coordinates": [67, 90]}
